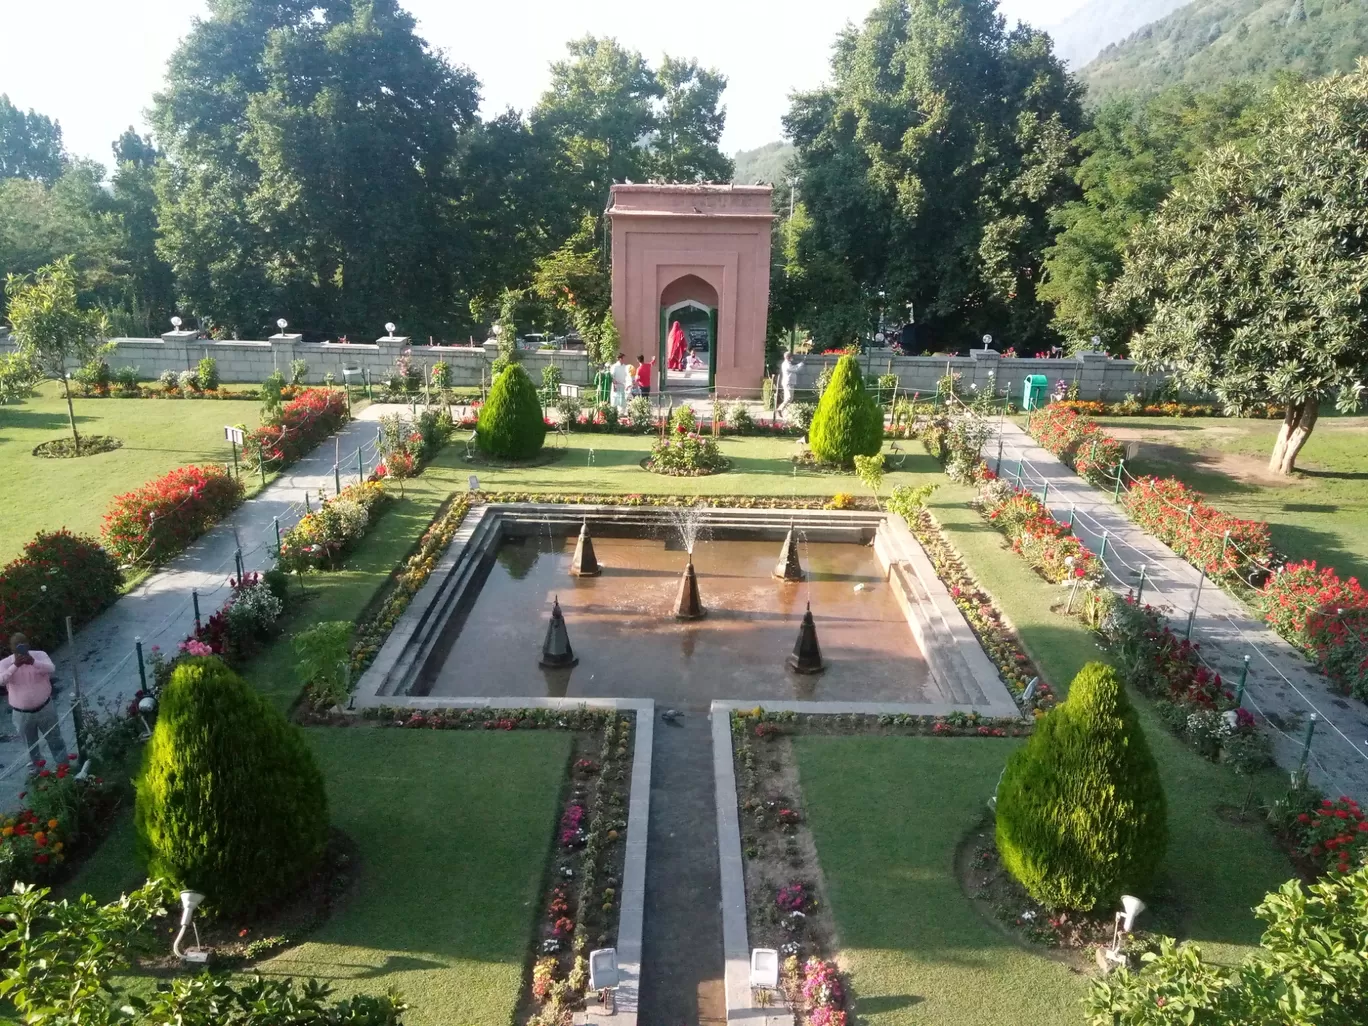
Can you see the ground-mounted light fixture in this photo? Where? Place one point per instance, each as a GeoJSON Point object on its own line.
{"type": "Point", "coordinates": [147, 705]}
{"type": "Point", "coordinates": [1131, 906]}
{"type": "Point", "coordinates": [604, 976]}
{"type": "Point", "coordinates": [190, 900]}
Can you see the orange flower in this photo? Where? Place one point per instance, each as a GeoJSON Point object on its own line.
{"type": "Point", "coordinates": [52, 824]}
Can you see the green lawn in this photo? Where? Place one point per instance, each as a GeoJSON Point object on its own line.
{"type": "Point", "coordinates": [157, 434]}
{"type": "Point", "coordinates": [453, 830]}
{"type": "Point", "coordinates": [1321, 513]}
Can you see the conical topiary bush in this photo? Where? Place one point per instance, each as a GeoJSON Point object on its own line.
{"type": "Point", "coordinates": [848, 421]}
{"type": "Point", "coordinates": [1081, 816]}
{"type": "Point", "coordinates": [229, 800]}
{"type": "Point", "coordinates": [511, 424]}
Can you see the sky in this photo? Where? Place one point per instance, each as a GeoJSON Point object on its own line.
{"type": "Point", "coordinates": [94, 64]}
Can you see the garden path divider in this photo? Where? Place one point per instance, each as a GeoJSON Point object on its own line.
{"type": "Point", "coordinates": [1282, 688]}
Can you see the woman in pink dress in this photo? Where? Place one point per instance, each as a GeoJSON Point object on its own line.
{"type": "Point", "coordinates": [678, 348]}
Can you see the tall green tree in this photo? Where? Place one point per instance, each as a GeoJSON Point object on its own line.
{"type": "Point", "coordinates": [310, 150]}
{"type": "Point", "coordinates": [30, 144]}
{"type": "Point", "coordinates": [1132, 155]}
{"type": "Point", "coordinates": [689, 124]}
{"type": "Point", "coordinates": [1252, 276]}
{"type": "Point", "coordinates": [151, 283]}
{"type": "Point", "coordinates": [930, 164]}
{"type": "Point", "coordinates": [51, 327]}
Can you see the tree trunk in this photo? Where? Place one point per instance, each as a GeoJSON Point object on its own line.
{"type": "Point", "coordinates": [1296, 429]}
{"type": "Point", "coordinates": [71, 414]}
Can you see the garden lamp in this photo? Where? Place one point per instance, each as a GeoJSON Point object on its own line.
{"type": "Point", "coordinates": [987, 341]}
{"type": "Point", "coordinates": [147, 705]}
{"type": "Point", "coordinates": [190, 900]}
{"type": "Point", "coordinates": [603, 974]}
{"type": "Point", "coordinates": [1096, 341]}
{"type": "Point", "coordinates": [1131, 907]}
{"type": "Point", "coordinates": [389, 327]}
{"type": "Point", "coordinates": [282, 324]}
{"type": "Point", "coordinates": [176, 323]}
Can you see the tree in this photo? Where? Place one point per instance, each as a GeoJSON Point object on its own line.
{"type": "Point", "coordinates": [848, 421]}
{"type": "Point", "coordinates": [1309, 970]}
{"type": "Point", "coordinates": [1251, 276]}
{"type": "Point", "coordinates": [929, 166]}
{"type": "Point", "coordinates": [151, 283]}
{"type": "Point", "coordinates": [229, 799]}
{"type": "Point", "coordinates": [62, 959]}
{"type": "Point", "coordinates": [511, 425]}
{"type": "Point", "coordinates": [30, 144]}
{"type": "Point", "coordinates": [575, 277]}
{"type": "Point", "coordinates": [312, 150]}
{"type": "Point", "coordinates": [1081, 815]}
{"type": "Point", "coordinates": [51, 327]}
{"type": "Point", "coordinates": [689, 125]}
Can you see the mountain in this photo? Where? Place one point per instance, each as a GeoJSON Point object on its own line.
{"type": "Point", "coordinates": [1208, 42]}
{"type": "Point", "coordinates": [1082, 35]}
{"type": "Point", "coordinates": [765, 164]}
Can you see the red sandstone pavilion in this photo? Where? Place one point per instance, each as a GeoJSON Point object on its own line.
{"type": "Point", "coordinates": [700, 255]}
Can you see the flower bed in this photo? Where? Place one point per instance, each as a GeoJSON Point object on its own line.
{"type": "Point", "coordinates": [59, 574]}
{"type": "Point", "coordinates": [1325, 616]}
{"type": "Point", "coordinates": [1334, 835]}
{"type": "Point", "coordinates": [1048, 546]}
{"type": "Point", "coordinates": [62, 816]}
{"type": "Point", "coordinates": [1077, 442]}
{"type": "Point", "coordinates": [244, 622]}
{"type": "Point", "coordinates": [160, 519]}
{"type": "Point", "coordinates": [305, 420]}
{"type": "Point", "coordinates": [1195, 530]}
{"type": "Point", "coordinates": [323, 538]}
{"type": "Point", "coordinates": [685, 454]}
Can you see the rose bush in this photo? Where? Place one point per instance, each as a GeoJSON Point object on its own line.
{"type": "Point", "coordinates": [59, 574]}
{"type": "Point", "coordinates": [685, 454]}
{"type": "Point", "coordinates": [158, 520]}
{"type": "Point", "coordinates": [1325, 616]}
{"type": "Point", "coordinates": [1038, 537]}
{"type": "Point", "coordinates": [302, 423]}
{"type": "Point", "coordinates": [1197, 531]}
{"type": "Point", "coordinates": [1077, 442]}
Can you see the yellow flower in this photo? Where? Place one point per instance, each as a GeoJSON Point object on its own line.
{"type": "Point", "coordinates": [7, 832]}
{"type": "Point", "coordinates": [57, 846]}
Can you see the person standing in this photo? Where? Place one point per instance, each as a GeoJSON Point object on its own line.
{"type": "Point", "coordinates": [788, 379]}
{"type": "Point", "coordinates": [27, 676]}
{"type": "Point", "coordinates": [679, 348]}
{"type": "Point", "coordinates": [643, 373]}
{"type": "Point", "coordinates": [619, 375]}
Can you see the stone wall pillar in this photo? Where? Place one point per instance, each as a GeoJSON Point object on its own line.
{"type": "Point", "coordinates": [179, 348]}
{"type": "Point", "coordinates": [283, 351]}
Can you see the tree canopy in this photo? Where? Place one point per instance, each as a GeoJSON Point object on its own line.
{"type": "Point", "coordinates": [30, 144]}
{"type": "Point", "coordinates": [1251, 279]}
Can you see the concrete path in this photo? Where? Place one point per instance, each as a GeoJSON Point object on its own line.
{"type": "Point", "coordinates": [160, 611]}
{"type": "Point", "coordinates": [1283, 690]}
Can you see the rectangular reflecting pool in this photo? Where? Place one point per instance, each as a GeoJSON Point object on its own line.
{"type": "Point", "coordinates": [622, 627]}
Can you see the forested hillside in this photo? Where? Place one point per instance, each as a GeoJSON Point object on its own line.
{"type": "Point", "coordinates": [1081, 36]}
{"type": "Point", "coordinates": [766, 163]}
{"type": "Point", "coordinates": [1208, 42]}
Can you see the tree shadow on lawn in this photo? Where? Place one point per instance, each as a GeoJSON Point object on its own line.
{"type": "Point", "coordinates": [17, 419]}
{"type": "Point", "coordinates": [1299, 541]}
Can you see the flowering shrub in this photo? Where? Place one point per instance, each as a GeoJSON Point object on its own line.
{"type": "Point", "coordinates": [791, 898]}
{"type": "Point", "coordinates": [686, 454]}
{"type": "Point", "coordinates": [244, 621]}
{"type": "Point", "coordinates": [304, 421]}
{"type": "Point", "coordinates": [1336, 834]}
{"type": "Point", "coordinates": [1078, 442]}
{"type": "Point", "coordinates": [163, 517]}
{"type": "Point", "coordinates": [1196, 530]}
{"type": "Point", "coordinates": [59, 574]}
{"type": "Point", "coordinates": [60, 813]}
{"type": "Point", "coordinates": [321, 538]}
{"type": "Point", "coordinates": [1325, 616]}
{"type": "Point", "coordinates": [1037, 537]}
{"type": "Point", "coordinates": [823, 992]}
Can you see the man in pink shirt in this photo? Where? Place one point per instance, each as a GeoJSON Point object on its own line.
{"type": "Point", "coordinates": [27, 675]}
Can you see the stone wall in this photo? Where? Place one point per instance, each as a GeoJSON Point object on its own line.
{"type": "Point", "coordinates": [1098, 376]}
{"type": "Point", "coordinates": [251, 362]}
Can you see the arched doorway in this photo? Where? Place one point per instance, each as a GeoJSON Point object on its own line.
{"type": "Point", "coordinates": [693, 303]}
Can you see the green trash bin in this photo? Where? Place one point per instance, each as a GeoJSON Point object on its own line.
{"type": "Point", "coordinates": [1033, 391]}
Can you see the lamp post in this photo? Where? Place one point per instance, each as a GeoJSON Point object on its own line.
{"type": "Point", "coordinates": [282, 324]}
{"type": "Point", "coordinates": [389, 329]}
{"type": "Point", "coordinates": [176, 323]}
{"type": "Point", "coordinates": [190, 900]}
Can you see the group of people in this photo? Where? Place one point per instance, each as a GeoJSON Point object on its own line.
{"type": "Point", "coordinates": [634, 379]}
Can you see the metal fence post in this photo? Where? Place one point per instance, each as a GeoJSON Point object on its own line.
{"type": "Point", "coordinates": [142, 669]}
{"type": "Point", "coordinates": [194, 598]}
{"type": "Point", "coordinates": [1116, 492]}
{"type": "Point", "coordinates": [1306, 740]}
{"type": "Point", "coordinates": [1196, 601]}
{"type": "Point", "coordinates": [1140, 588]}
{"type": "Point", "coordinates": [1240, 687]}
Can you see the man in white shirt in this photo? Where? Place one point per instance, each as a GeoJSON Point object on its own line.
{"type": "Point", "coordinates": [619, 373]}
{"type": "Point", "coordinates": [788, 378]}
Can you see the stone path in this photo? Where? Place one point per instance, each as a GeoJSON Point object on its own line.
{"type": "Point", "coordinates": [681, 959]}
{"type": "Point", "coordinates": [1283, 690]}
{"type": "Point", "coordinates": [160, 611]}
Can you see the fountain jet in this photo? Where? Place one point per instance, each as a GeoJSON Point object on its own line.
{"type": "Point", "coordinates": [585, 563]}
{"type": "Point", "coordinates": [807, 654]}
{"type": "Point", "coordinates": [688, 606]}
{"type": "Point", "coordinates": [789, 567]}
{"type": "Point", "coordinates": [556, 651]}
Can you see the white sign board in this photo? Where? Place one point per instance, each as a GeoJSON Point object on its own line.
{"type": "Point", "coordinates": [233, 434]}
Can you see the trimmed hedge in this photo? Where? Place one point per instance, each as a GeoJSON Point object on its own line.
{"type": "Point", "coordinates": [1081, 816]}
{"type": "Point", "coordinates": [511, 425]}
{"type": "Point", "coordinates": [848, 421]}
{"type": "Point", "coordinates": [229, 800]}
{"type": "Point", "coordinates": [161, 518]}
{"type": "Point", "coordinates": [80, 579]}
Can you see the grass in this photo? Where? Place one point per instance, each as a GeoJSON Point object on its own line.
{"type": "Point", "coordinates": [157, 434]}
{"type": "Point", "coordinates": [1320, 513]}
{"type": "Point", "coordinates": [452, 830]}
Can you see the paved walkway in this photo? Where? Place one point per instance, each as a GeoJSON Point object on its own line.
{"type": "Point", "coordinates": [1283, 690]}
{"type": "Point", "coordinates": [160, 611]}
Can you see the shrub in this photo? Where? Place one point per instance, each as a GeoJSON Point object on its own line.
{"type": "Point", "coordinates": [229, 800]}
{"type": "Point", "coordinates": [686, 455]}
{"type": "Point", "coordinates": [299, 372]}
{"type": "Point", "coordinates": [441, 374]}
{"type": "Point", "coordinates": [304, 421]}
{"type": "Point", "coordinates": [160, 519]}
{"type": "Point", "coordinates": [80, 579]}
{"type": "Point", "coordinates": [168, 379]}
{"type": "Point", "coordinates": [322, 538]}
{"type": "Point", "coordinates": [1080, 811]}
{"type": "Point", "coordinates": [639, 411]}
{"type": "Point", "coordinates": [1179, 517]}
{"type": "Point", "coordinates": [800, 414]}
{"type": "Point", "coordinates": [1323, 615]}
{"type": "Point", "coordinates": [127, 380]}
{"type": "Point", "coordinates": [324, 666]}
{"type": "Point", "coordinates": [1038, 537]}
{"type": "Point", "coordinates": [239, 627]}
{"type": "Point", "coordinates": [683, 419]}
{"type": "Point", "coordinates": [187, 381]}
{"type": "Point", "coordinates": [60, 815]}
{"type": "Point", "coordinates": [848, 422]}
{"type": "Point", "coordinates": [738, 418]}
{"type": "Point", "coordinates": [93, 378]}
{"type": "Point", "coordinates": [511, 425]}
{"type": "Point", "coordinates": [206, 374]}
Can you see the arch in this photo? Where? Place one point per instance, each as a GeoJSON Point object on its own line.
{"type": "Point", "coordinates": [689, 287]}
{"type": "Point", "coordinates": [691, 299]}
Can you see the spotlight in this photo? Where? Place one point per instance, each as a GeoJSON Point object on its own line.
{"type": "Point", "coordinates": [190, 900]}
